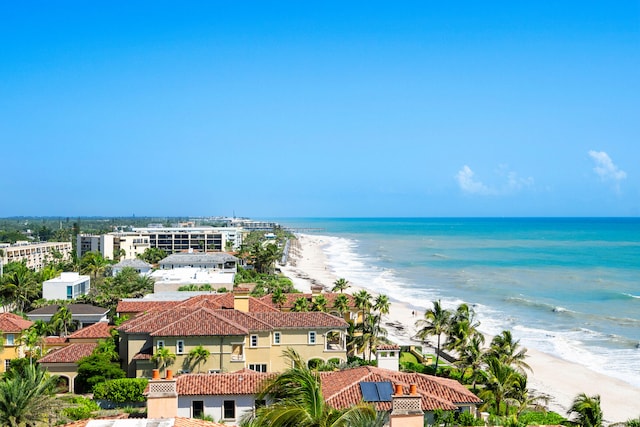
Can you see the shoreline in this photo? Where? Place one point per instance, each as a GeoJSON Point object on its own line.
{"type": "Point", "coordinates": [559, 379]}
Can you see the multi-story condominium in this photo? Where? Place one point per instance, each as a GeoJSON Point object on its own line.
{"type": "Point", "coordinates": [35, 255]}
{"type": "Point", "coordinates": [130, 244]}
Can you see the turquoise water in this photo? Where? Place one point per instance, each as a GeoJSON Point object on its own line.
{"type": "Point", "coordinates": [569, 287]}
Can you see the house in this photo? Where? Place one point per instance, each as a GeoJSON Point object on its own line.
{"type": "Point", "coordinates": [220, 261]}
{"type": "Point", "coordinates": [83, 314]}
{"type": "Point", "coordinates": [63, 359]}
{"type": "Point", "coordinates": [69, 285]}
{"type": "Point", "coordinates": [236, 338]}
{"type": "Point", "coordinates": [352, 313]}
{"type": "Point", "coordinates": [11, 327]}
{"type": "Point", "coordinates": [141, 266]}
{"type": "Point", "coordinates": [123, 420]}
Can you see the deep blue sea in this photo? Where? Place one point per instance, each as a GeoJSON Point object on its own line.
{"type": "Point", "coordinates": [565, 286]}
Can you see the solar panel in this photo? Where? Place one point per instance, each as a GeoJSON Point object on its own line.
{"type": "Point", "coordinates": [376, 391]}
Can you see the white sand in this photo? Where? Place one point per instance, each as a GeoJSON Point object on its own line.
{"type": "Point", "coordinates": [559, 379]}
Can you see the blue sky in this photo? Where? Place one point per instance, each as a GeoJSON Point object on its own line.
{"type": "Point", "coordinates": [293, 109]}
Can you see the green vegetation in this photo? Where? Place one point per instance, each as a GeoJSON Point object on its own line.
{"type": "Point", "coordinates": [94, 370]}
{"type": "Point", "coordinates": [124, 390]}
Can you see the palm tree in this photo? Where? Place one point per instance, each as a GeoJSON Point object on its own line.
{"type": "Point", "coordinates": [19, 287]}
{"type": "Point", "coordinates": [28, 398]}
{"type": "Point", "coordinates": [199, 355]}
{"type": "Point", "coordinates": [300, 304]}
{"type": "Point", "coordinates": [341, 303]}
{"type": "Point", "coordinates": [319, 303]}
{"type": "Point", "coordinates": [32, 342]}
{"type": "Point", "coordinates": [587, 410]}
{"type": "Point", "coordinates": [381, 304]}
{"type": "Point", "coordinates": [340, 285]}
{"type": "Point", "coordinates": [508, 351]}
{"type": "Point", "coordinates": [62, 321]}
{"type": "Point", "coordinates": [278, 298]}
{"type": "Point", "coordinates": [471, 358]}
{"type": "Point", "coordinates": [299, 401]}
{"type": "Point", "coordinates": [108, 348]}
{"type": "Point", "coordinates": [463, 327]}
{"type": "Point", "coordinates": [436, 322]}
{"type": "Point", "coordinates": [93, 263]}
{"type": "Point", "coordinates": [502, 386]}
{"type": "Point", "coordinates": [163, 357]}
{"type": "Point", "coordinates": [362, 300]}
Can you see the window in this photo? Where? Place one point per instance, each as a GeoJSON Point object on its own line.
{"type": "Point", "coordinates": [11, 339]}
{"type": "Point", "coordinates": [69, 292]}
{"type": "Point", "coordinates": [237, 353]}
{"type": "Point", "coordinates": [180, 347]}
{"type": "Point", "coordinates": [7, 364]}
{"type": "Point", "coordinates": [276, 337]}
{"type": "Point", "coordinates": [312, 337]}
{"type": "Point", "coordinates": [254, 341]}
{"type": "Point", "coordinates": [160, 344]}
{"type": "Point", "coordinates": [229, 409]}
{"type": "Point", "coordinates": [258, 367]}
{"type": "Point", "coordinates": [197, 409]}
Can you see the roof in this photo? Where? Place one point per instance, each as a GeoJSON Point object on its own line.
{"type": "Point", "coordinates": [133, 263]}
{"type": "Point", "coordinates": [75, 309]}
{"type": "Point", "coordinates": [198, 258]}
{"type": "Point", "coordinates": [97, 330]}
{"type": "Point", "coordinates": [341, 389]}
{"type": "Point", "coordinates": [291, 299]}
{"type": "Point", "coordinates": [69, 354]}
{"type": "Point", "coordinates": [124, 421]}
{"type": "Point", "coordinates": [241, 382]}
{"type": "Point", "coordinates": [12, 323]}
{"type": "Point", "coordinates": [210, 300]}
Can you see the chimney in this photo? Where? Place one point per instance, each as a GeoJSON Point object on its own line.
{"type": "Point", "coordinates": [407, 409]}
{"type": "Point", "coordinates": [316, 289]}
{"type": "Point", "coordinates": [162, 397]}
{"type": "Point", "coordinates": [241, 299]}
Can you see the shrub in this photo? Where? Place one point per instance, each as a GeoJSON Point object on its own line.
{"type": "Point", "coordinates": [121, 390]}
{"type": "Point", "coordinates": [531, 418]}
{"type": "Point", "coordinates": [80, 408]}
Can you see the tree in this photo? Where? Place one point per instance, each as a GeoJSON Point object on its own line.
{"type": "Point", "coordinates": [299, 401]}
{"type": "Point", "coordinates": [471, 358]}
{"type": "Point", "coordinates": [62, 321]}
{"type": "Point", "coordinates": [18, 287]}
{"type": "Point", "coordinates": [340, 285]}
{"type": "Point", "coordinates": [319, 303]}
{"type": "Point", "coordinates": [341, 303]}
{"type": "Point", "coordinates": [300, 304]}
{"type": "Point", "coordinates": [95, 369]}
{"type": "Point", "coordinates": [153, 255]}
{"type": "Point", "coordinates": [508, 351]}
{"type": "Point", "coordinates": [199, 355]}
{"type": "Point", "coordinates": [163, 357]}
{"type": "Point", "coordinates": [436, 322]}
{"type": "Point", "coordinates": [587, 410]}
{"type": "Point", "coordinates": [94, 264]}
{"type": "Point", "coordinates": [462, 329]}
{"type": "Point", "coordinates": [28, 398]}
{"type": "Point", "coordinates": [278, 298]}
{"type": "Point", "coordinates": [501, 387]}
{"type": "Point", "coordinates": [362, 300]}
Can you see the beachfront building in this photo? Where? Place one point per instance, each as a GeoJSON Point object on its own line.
{"type": "Point", "coordinates": [35, 255]}
{"type": "Point", "coordinates": [249, 334]}
{"type": "Point", "coordinates": [11, 327]}
{"type": "Point", "coordinates": [130, 244]}
{"type": "Point", "coordinates": [69, 285]}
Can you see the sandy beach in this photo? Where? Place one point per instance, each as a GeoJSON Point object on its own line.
{"type": "Point", "coordinates": [560, 380]}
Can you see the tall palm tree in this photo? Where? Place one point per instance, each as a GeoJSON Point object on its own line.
{"type": "Point", "coordinates": [94, 264]}
{"type": "Point", "coordinates": [362, 300]}
{"type": "Point", "coordinates": [319, 303]}
{"type": "Point", "coordinates": [278, 298]}
{"type": "Point", "coordinates": [340, 285]}
{"type": "Point", "coordinates": [299, 401]}
{"type": "Point", "coordinates": [341, 303]}
{"type": "Point", "coordinates": [18, 288]}
{"type": "Point", "coordinates": [463, 327]}
{"type": "Point", "coordinates": [163, 358]}
{"type": "Point", "coordinates": [62, 321]}
{"type": "Point", "coordinates": [587, 410]}
{"type": "Point", "coordinates": [436, 322]}
{"type": "Point", "coordinates": [471, 358]}
{"type": "Point", "coordinates": [300, 304]}
{"type": "Point", "coordinates": [509, 351]}
{"type": "Point", "coordinates": [28, 399]}
{"type": "Point", "coordinates": [199, 355]}
{"type": "Point", "coordinates": [502, 386]}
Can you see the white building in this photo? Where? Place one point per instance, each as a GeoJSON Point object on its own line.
{"type": "Point", "coordinates": [142, 267]}
{"type": "Point", "coordinates": [69, 285]}
{"type": "Point", "coordinates": [35, 255]}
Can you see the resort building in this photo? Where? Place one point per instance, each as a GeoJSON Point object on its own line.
{"type": "Point", "coordinates": [69, 285]}
{"type": "Point", "coordinates": [130, 244]}
{"type": "Point", "coordinates": [35, 255]}
{"type": "Point", "coordinates": [11, 327]}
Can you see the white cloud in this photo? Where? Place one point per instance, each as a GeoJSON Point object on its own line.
{"type": "Point", "coordinates": [469, 185]}
{"type": "Point", "coordinates": [513, 183]}
{"type": "Point", "coordinates": [605, 168]}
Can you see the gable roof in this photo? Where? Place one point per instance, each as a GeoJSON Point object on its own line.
{"type": "Point", "coordinates": [244, 381]}
{"type": "Point", "coordinates": [12, 323]}
{"type": "Point", "coordinates": [133, 263]}
{"type": "Point", "coordinates": [69, 354]}
{"type": "Point", "coordinates": [341, 389]}
{"type": "Point", "coordinates": [98, 330]}
{"type": "Point", "coordinates": [75, 309]}
{"type": "Point", "coordinates": [291, 299]}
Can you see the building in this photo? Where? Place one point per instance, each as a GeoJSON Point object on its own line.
{"type": "Point", "coordinates": [130, 244]}
{"type": "Point", "coordinates": [83, 314]}
{"type": "Point", "coordinates": [11, 327]}
{"type": "Point", "coordinates": [69, 285]}
{"type": "Point", "coordinates": [249, 335]}
{"type": "Point", "coordinates": [35, 255]}
{"type": "Point", "coordinates": [211, 261]}
{"type": "Point", "coordinates": [140, 266]}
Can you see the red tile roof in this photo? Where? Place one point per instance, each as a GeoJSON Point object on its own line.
{"type": "Point", "coordinates": [140, 306]}
{"type": "Point", "coordinates": [341, 389]}
{"type": "Point", "coordinates": [291, 299]}
{"type": "Point", "coordinates": [310, 319]}
{"type": "Point", "coordinates": [240, 382]}
{"type": "Point", "coordinates": [387, 347]}
{"type": "Point", "coordinates": [98, 330]}
{"type": "Point", "coordinates": [12, 323]}
{"type": "Point", "coordinates": [69, 354]}
{"type": "Point", "coordinates": [55, 340]}
{"type": "Point", "coordinates": [138, 422]}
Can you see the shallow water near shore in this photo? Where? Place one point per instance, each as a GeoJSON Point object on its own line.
{"type": "Point", "coordinates": [568, 287]}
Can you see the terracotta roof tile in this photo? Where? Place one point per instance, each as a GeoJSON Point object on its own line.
{"type": "Point", "coordinates": [97, 330]}
{"type": "Point", "coordinates": [55, 340]}
{"type": "Point", "coordinates": [310, 319]}
{"type": "Point", "coordinates": [123, 421]}
{"type": "Point", "coordinates": [201, 322]}
{"type": "Point", "coordinates": [387, 347]}
{"type": "Point", "coordinates": [291, 298]}
{"type": "Point", "coordinates": [140, 306]}
{"type": "Point", "coordinates": [13, 323]}
{"type": "Point", "coordinates": [69, 354]}
{"type": "Point", "coordinates": [241, 382]}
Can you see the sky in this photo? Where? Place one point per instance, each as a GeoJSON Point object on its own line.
{"type": "Point", "coordinates": [320, 109]}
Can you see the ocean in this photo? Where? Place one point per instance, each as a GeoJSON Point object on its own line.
{"type": "Point", "coordinates": [565, 286]}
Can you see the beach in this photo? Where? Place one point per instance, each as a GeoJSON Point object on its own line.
{"type": "Point", "coordinates": [558, 379]}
